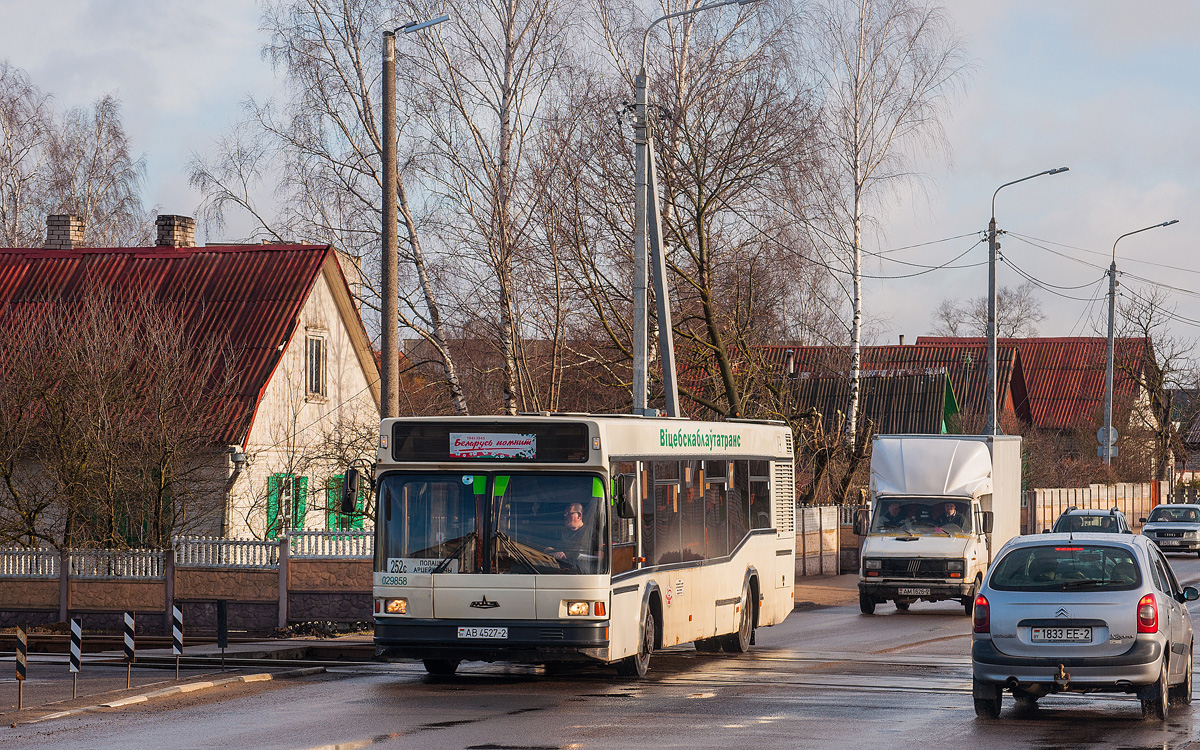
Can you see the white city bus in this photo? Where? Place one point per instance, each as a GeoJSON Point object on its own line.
{"type": "Point", "coordinates": [579, 538]}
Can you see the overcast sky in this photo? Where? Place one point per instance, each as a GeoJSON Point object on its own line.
{"type": "Point", "coordinates": [1105, 87]}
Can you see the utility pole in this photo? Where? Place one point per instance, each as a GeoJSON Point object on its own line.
{"type": "Point", "coordinates": [389, 272]}
{"type": "Point", "coordinates": [1107, 437]}
{"type": "Point", "coordinates": [993, 423]}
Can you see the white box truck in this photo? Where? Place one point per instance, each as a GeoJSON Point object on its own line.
{"type": "Point", "coordinates": [941, 506]}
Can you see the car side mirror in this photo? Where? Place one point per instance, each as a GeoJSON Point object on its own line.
{"type": "Point", "coordinates": [988, 520]}
{"type": "Point", "coordinates": [623, 496]}
{"type": "Point", "coordinates": [1045, 531]}
{"type": "Point", "coordinates": [860, 524]}
{"type": "Point", "coordinates": [350, 482]}
{"type": "Point", "coordinates": [1142, 520]}
{"type": "Point", "coordinates": [1190, 594]}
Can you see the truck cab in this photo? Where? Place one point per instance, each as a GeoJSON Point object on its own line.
{"type": "Point", "coordinates": [935, 518]}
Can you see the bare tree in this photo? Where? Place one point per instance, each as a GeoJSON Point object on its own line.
{"type": "Point", "coordinates": [1018, 313]}
{"type": "Point", "coordinates": [888, 70]}
{"type": "Point", "coordinates": [322, 149]}
{"type": "Point", "coordinates": [25, 129]}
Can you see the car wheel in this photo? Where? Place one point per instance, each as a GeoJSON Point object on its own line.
{"type": "Point", "coordinates": [902, 605]}
{"type": "Point", "coordinates": [866, 604]}
{"type": "Point", "coordinates": [638, 664]}
{"type": "Point", "coordinates": [739, 642]}
{"type": "Point", "coordinates": [988, 708]}
{"type": "Point", "coordinates": [1181, 694]}
{"type": "Point", "coordinates": [1155, 702]}
{"type": "Point", "coordinates": [441, 667]}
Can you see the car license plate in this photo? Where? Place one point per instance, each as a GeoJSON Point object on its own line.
{"type": "Point", "coordinates": [483, 632]}
{"type": "Point", "coordinates": [1061, 635]}
{"type": "Point", "coordinates": [913, 592]}
{"type": "Point", "coordinates": [1169, 542]}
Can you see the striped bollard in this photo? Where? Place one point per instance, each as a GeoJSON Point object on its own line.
{"type": "Point", "coordinates": [176, 636]}
{"type": "Point", "coordinates": [130, 650]}
{"type": "Point", "coordinates": [22, 672]}
{"type": "Point", "coordinates": [76, 654]}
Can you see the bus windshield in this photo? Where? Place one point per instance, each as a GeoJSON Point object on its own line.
{"type": "Point", "coordinates": [922, 515]}
{"type": "Point", "coordinates": [473, 522]}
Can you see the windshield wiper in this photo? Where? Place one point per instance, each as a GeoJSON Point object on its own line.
{"type": "Point", "coordinates": [515, 550]}
{"type": "Point", "coordinates": [1080, 583]}
{"type": "Point", "coordinates": [453, 553]}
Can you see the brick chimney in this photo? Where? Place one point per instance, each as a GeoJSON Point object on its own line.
{"type": "Point", "coordinates": [63, 232]}
{"type": "Point", "coordinates": [175, 231]}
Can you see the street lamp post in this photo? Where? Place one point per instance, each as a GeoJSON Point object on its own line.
{"type": "Point", "coordinates": [389, 309]}
{"type": "Point", "coordinates": [1108, 441]}
{"type": "Point", "coordinates": [646, 223]}
{"type": "Point", "coordinates": [993, 424]}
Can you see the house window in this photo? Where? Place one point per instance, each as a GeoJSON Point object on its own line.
{"type": "Point", "coordinates": [286, 503]}
{"type": "Point", "coordinates": [315, 355]}
{"type": "Point", "coordinates": [334, 518]}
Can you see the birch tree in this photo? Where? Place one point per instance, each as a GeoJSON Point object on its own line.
{"type": "Point", "coordinates": [888, 71]}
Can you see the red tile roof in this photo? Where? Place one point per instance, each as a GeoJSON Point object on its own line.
{"type": "Point", "coordinates": [1065, 376]}
{"type": "Point", "coordinates": [250, 295]}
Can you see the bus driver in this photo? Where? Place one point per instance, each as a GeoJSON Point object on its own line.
{"type": "Point", "coordinates": [572, 538]}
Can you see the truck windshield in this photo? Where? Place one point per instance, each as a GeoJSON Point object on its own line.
{"type": "Point", "coordinates": [922, 515]}
{"type": "Point", "coordinates": [458, 522]}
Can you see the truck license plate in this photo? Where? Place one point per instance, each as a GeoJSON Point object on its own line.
{"type": "Point", "coordinates": [483, 632]}
{"type": "Point", "coordinates": [913, 592]}
{"type": "Point", "coordinates": [1061, 635]}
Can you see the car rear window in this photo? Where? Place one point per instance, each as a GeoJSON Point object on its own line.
{"type": "Point", "coordinates": [1107, 524]}
{"type": "Point", "coordinates": [1065, 567]}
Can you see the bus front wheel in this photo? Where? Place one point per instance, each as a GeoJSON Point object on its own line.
{"type": "Point", "coordinates": [638, 664]}
{"type": "Point", "coordinates": [441, 667]}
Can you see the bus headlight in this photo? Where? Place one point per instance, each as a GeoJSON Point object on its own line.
{"type": "Point", "coordinates": [396, 606]}
{"type": "Point", "coordinates": [578, 609]}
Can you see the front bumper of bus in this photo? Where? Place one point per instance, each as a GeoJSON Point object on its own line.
{"type": "Point", "coordinates": [526, 640]}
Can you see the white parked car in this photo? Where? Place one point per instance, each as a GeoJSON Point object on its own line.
{"type": "Point", "coordinates": [1094, 613]}
{"type": "Point", "coordinates": [1174, 528]}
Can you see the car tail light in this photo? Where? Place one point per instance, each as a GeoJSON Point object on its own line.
{"type": "Point", "coordinates": [1147, 614]}
{"type": "Point", "coordinates": [982, 615]}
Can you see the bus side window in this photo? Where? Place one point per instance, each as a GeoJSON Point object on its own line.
{"type": "Point", "coordinates": [760, 494]}
{"type": "Point", "coordinates": [668, 544]}
{"type": "Point", "coordinates": [691, 510]}
{"type": "Point", "coordinates": [716, 510]}
{"type": "Point", "coordinates": [646, 485]}
{"type": "Point", "coordinates": [739, 503]}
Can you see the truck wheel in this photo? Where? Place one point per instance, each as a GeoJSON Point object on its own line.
{"type": "Point", "coordinates": [987, 708]}
{"type": "Point", "coordinates": [866, 604]}
{"type": "Point", "coordinates": [968, 602]}
{"type": "Point", "coordinates": [902, 605]}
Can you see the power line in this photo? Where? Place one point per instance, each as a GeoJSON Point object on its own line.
{"type": "Point", "coordinates": [1109, 255]}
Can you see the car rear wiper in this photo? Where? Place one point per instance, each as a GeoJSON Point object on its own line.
{"type": "Point", "coordinates": [1080, 583]}
{"type": "Point", "coordinates": [453, 553]}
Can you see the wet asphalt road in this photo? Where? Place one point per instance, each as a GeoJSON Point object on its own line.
{"type": "Point", "coordinates": [827, 677]}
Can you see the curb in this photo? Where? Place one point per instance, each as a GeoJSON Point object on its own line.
{"type": "Point", "coordinates": [189, 687]}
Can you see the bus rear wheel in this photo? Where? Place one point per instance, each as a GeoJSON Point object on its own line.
{"type": "Point", "coordinates": [638, 664]}
{"type": "Point", "coordinates": [441, 667]}
{"type": "Point", "coordinates": [739, 642]}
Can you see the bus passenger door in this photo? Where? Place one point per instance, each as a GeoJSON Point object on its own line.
{"type": "Point", "coordinates": [626, 602]}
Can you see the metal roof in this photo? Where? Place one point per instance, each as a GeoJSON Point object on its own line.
{"type": "Point", "coordinates": [965, 366]}
{"type": "Point", "coordinates": [1065, 376]}
{"type": "Point", "coordinates": [249, 296]}
{"type": "Point", "coordinates": [910, 403]}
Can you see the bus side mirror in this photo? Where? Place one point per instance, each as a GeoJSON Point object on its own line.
{"type": "Point", "coordinates": [623, 496]}
{"type": "Point", "coordinates": [988, 519]}
{"type": "Point", "coordinates": [350, 482]}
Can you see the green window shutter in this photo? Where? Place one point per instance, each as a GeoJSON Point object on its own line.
{"type": "Point", "coordinates": [333, 501]}
{"type": "Point", "coordinates": [272, 529]}
{"type": "Point", "coordinates": [300, 487]}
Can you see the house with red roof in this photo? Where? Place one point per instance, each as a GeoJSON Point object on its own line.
{"type": "Point", "coordinates": [307, 394]}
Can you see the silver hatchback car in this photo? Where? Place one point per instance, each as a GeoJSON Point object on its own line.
{"type": "Point", "coordinates": [1082, 613]}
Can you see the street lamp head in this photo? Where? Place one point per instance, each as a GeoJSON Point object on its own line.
{"type": "Point", "coordinates": [1169, 223]}
{"type": "Point", "coordinates": [409, 28]}
{"type": "Point", "coordinates": [1059, 169]}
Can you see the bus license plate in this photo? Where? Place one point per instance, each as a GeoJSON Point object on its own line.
{"type": "Point", "coordinates": [1061, 635]}
{"type": "Point", "coordinates": [483, 632]}
{"type": "Point", "coordinates": [913, 592]}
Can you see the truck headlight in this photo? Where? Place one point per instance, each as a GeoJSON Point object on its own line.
{"type": "Point", "coordinates": [872, 564]}
{"type": "Point", "coordinates": [958, 565]}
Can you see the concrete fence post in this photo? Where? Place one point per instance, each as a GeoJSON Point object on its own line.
{"type": "Point", "coordinates": [284, 553]}
{"type": "Point", "coordinates": [64, 584]}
